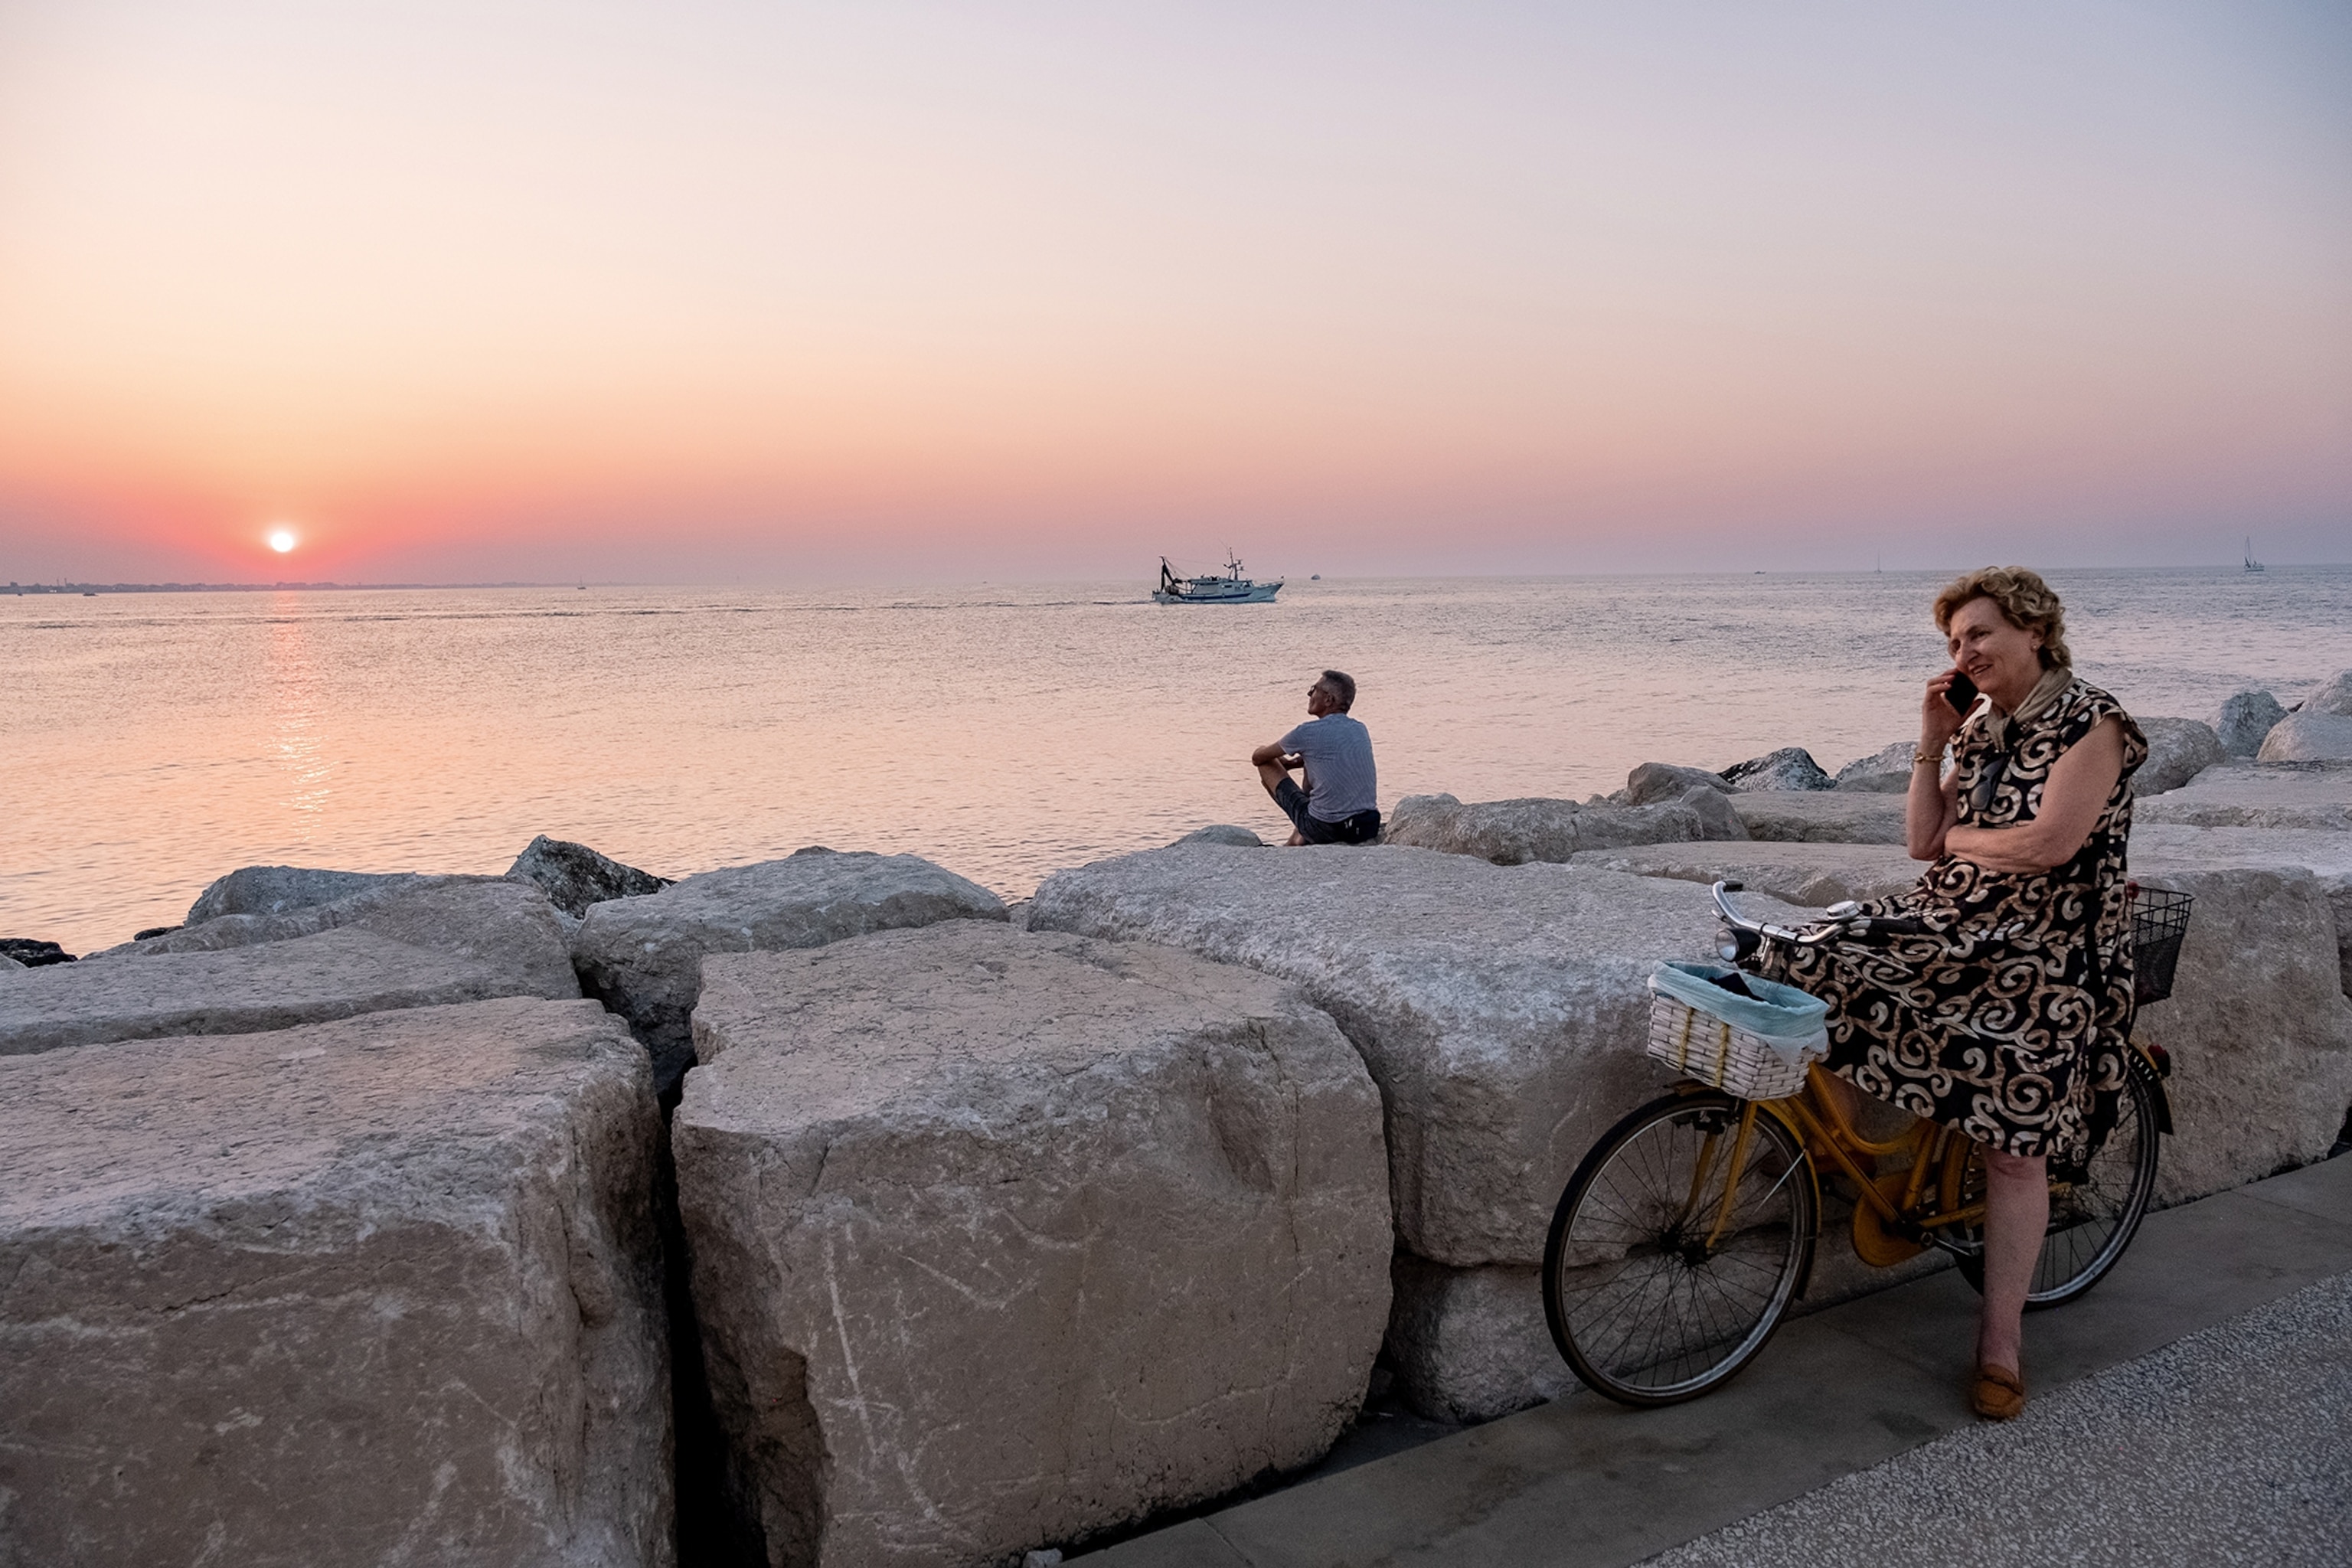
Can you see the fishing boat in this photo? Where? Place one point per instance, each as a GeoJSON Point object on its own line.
{"type": "Point", "coordinates": [2251, 564]}
{"type": "Point", "coordinates": [1231, 588]}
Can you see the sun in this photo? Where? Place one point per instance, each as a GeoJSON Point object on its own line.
{"type": "Point", "coordinates": [281, 540]}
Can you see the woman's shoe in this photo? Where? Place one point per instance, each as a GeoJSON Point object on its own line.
{"type": "Point", "coordinates": [1998, 1394]}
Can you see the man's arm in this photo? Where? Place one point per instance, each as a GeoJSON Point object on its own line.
{"type": "Point", "coordinates": [1272, 754]}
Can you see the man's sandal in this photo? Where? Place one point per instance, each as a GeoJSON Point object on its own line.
{"type": "Point", "coordinates": [1998, 1394]}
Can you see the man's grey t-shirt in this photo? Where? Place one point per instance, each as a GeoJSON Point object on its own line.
{"type": "Point", "coordinates": [1338, 753]}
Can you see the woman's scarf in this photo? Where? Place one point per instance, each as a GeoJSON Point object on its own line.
{"type": "Point", "coordinates": [2046, 690]}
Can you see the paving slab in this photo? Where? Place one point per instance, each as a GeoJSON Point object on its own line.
{"type": "Point", "coordinates": [1583, 1482]}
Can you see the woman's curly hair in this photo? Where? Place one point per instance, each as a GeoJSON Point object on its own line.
{"type": "Point", "coordinates": [2025, 601]}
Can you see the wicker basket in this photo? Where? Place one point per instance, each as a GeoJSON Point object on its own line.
{"type": "Point", "coordinates": [1702, 1046]}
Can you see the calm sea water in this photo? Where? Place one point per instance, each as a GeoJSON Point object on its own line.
{"type": "Point", "coordinates": [149, 742]}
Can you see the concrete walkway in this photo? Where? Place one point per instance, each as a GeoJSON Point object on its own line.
{"type": "Point", "coordinates": [1583, 1482]}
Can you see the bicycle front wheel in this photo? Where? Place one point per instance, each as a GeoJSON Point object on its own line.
{"type": "Point", "coordinates": [1676, 1246]}
{"type": "Point", "coordinates": [2093, 1215]}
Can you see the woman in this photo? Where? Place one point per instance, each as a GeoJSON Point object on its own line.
{"type": "Point", "coordinates": [2006, 1017]}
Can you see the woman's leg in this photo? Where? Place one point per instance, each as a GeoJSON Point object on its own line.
{"type": "Point", "coordinates": [2017, 1214]}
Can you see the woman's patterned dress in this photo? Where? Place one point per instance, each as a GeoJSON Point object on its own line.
{"type": "Point", "coordinates": [2006, 1017]}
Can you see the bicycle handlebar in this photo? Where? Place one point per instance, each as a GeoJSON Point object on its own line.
{"type": "Point", "coordinates": [1844, 917]}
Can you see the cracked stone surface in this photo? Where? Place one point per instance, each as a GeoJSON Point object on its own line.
{"type": "Point", "coordinates": [2258, 794]}
{"type": "Point", "coordinates": [379, 1291]}
{"type": "Point", "coordinates": [246, 990]}
{"type": "Point", "coordinates": [1821, 816]}
{"type": "Point", "coordinates": [1000, 1238]}
{"type": "Point", "coordinates": [643, 956]}
{"type": "Point", "coordinates": [509, 927]}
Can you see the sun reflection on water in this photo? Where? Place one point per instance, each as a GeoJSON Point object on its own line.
{"type": "Point", "coordinates": [296, 740]}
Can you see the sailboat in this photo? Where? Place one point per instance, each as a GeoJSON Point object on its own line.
{"type": "Point", "coordinates": [2251, 564]}
{"type": "Point", "coordinates": [1231, 588]}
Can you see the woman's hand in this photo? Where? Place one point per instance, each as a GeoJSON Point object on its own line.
{"type": "Point", "coordinates": [1938, 721]}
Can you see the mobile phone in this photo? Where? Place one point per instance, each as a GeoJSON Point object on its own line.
{"type": "Point", "coordinates": [1961, 694]}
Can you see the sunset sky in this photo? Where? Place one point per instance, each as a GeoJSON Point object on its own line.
{"type": "Point", "coordinates": [726, 292]}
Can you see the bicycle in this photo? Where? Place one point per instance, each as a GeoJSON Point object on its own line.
{"type": "Point", "coordinates": [1689, 1229]}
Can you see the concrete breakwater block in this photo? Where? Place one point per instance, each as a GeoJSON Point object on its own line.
{"type": "Point", "coordinates": [277, 985]}
{"type": "Point", "coordinates": [509, 927]}
{"type": "Point", "coordinates": [282, 889]}
{"type": "Point", "coordinates": [1514, 832]}
{"type": "Point", "coordinates": [2294, 795]}
{"type": "Point", "coordinates": [643, 956]}
{"type": "Point", "coordinates": [1502, 1011]}
{"type": "Point", "coordinates": [2258, 1025]}
{"type": "Point", "coordinates": [2178, 751]}
{"type": "Point", "coordinates": [1821, 816]}
{"type": "Point", "coordinates": [999, 1238]}
{"type": "Point", "coordinates": [378, 1291]}
{"type": "Point", "coordinates": [2309, 737]}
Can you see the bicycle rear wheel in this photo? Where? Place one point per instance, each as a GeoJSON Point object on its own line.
{"type": "Point", "coordinates": [2091, 1219]}
{"type": "Point", "coordinates": [1655, 1290]}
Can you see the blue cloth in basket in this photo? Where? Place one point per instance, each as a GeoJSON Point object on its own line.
{"type": "Point", "coordinates": [1783, 1018]}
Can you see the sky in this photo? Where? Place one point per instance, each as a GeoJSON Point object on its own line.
{"type": "Point", "coordinates": [767, 294]}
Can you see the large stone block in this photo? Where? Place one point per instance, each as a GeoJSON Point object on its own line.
{"type": "Point", "coordinates": [2258, 794]}
{"type": "Point", "coordinates": [279, 890]}
{"type": "Point", "coordinates": [2258, 1025]}
{"type": "Point", "coordinates": [1514, 832]}
{"type": "Point", "coordinates": [1886, 771]}
{"type": "Point", "coordinates": [2178, 751]}
{"type": "Point", "coordinates": [1651, 784]}
{"type": "Point", "coordinates": [1000, 1239]}
{"type": "Point", "coordinates": [573, 875]}
{"type": "Point", "coordinates": [2243, 720]}
{"type": "Point", "coordinates": [273, 985]}
{"type": "Point", "coordinates": [2326, 855]}
{"type": "Point", "coordinates": [1790, 768]}
{"type": "Point", "coordinates": [1821, 816]}
{"type": "Point", "coordinates": [1502, 1009]}
{"type": "Point", "coordinates": [381, 1290]}
{"type": "Point", "coordinates": [505, 927]}
{"type": "Point", "coordinates": [643, 956]}
{"type": "Point", "coordinates": [2309, 737]}
{"type": "Point", "coordinates": [2333, 697]}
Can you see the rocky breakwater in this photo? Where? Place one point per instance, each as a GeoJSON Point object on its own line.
{"type": "Point", "coordinates": [643, 956]}
{"type": "Point", "coordinates": [1001, 1238]}
{"type": "Point", "coordinates": [1515, 832]}
{"type": "Point", "coordinates": [378, 1291]}
{"type": "Point", "coordinates": [1502, 1012]}
{"type": "Point", "coordinates": [406, 942]}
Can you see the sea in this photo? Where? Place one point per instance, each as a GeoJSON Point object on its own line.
{"type": "Point", "coordinates": [152, 741]}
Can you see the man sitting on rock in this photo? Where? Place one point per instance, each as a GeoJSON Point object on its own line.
{"type": "Point", "coordinates": [1340, 804]}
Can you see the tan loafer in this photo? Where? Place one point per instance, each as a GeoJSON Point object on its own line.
{"type": "Point", "coordinates": [1998, 1394]}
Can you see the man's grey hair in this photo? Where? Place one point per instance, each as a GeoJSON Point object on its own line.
{"type": "Point", "coordinates": [1341, 686]}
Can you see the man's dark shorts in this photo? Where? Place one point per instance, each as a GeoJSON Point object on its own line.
{"type": "Point", "coordinates": [1364, 828]}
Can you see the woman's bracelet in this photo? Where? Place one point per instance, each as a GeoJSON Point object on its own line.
{"type": "Point", "coordinates": [1919, 757]}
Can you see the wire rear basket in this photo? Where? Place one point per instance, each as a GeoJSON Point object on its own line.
{"type": "Point", "coordinates": [2159, 920]}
